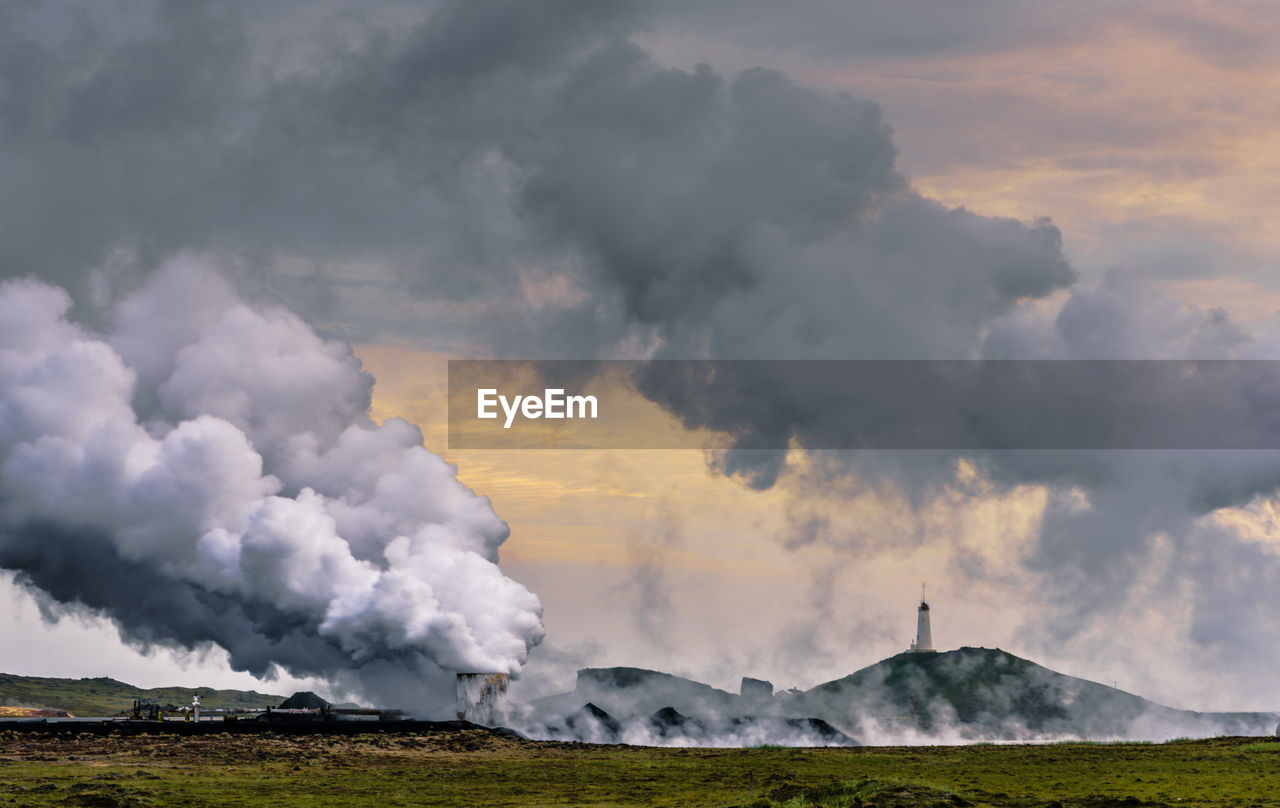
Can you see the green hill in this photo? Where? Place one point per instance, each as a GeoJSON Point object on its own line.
{"type": "Point", "coordinates": [104, 696]}
{"type": "Point", "coordinates": [983, 692]}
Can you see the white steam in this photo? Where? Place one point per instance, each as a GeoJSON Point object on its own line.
{"type": "Point", "coordinates": [206, 472]}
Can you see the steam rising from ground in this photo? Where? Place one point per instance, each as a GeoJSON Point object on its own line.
{"type": "Point", "coordinates": [206, 472]}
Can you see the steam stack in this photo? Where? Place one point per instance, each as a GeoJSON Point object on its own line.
{"type": "Point", "coordinates": [482, 697]}
{"type": "Point", "coordinates": [924, 637]}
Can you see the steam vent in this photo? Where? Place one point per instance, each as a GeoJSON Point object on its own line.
{"type": "Point", "coordinates": [482, 697]}
{"type": "Point", "coordinates": [923, 642]}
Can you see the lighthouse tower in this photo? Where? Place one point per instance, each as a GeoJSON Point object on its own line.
{"type": "Point", "coordinates": [924, 637]}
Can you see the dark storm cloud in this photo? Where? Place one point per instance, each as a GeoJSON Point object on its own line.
{"type": "Point", "coordinates": [121, 142]}
{"type": "Point", "coordinates": [755, 217]}
{"type": "Point", "coordinates": [664, 176]}
{"type": "Point", "coordinates": [109, 136]}
{"type": "Point", "coordinates": [835, 33]}
{"type": "Point", "coordinates": [457, 156]}
{"type": "Point", "coordinates": [879, 28]}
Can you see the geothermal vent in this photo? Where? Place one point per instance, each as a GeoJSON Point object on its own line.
{"type": "Point", "coordinates": [482, 697]}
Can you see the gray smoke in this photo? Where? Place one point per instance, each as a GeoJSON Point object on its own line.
{"type": "Point", "coordinates": [206, 472]}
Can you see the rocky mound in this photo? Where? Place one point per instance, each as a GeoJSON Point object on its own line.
{"type": "Point", "coordinates": [304, 700]}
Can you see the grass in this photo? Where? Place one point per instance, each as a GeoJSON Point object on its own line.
{"type": "Point", "coordinates": [1260, 746]}
{"type": "Point", "coordinates": [475, 768]}
{"type": "Point", "coordinates": [866, 792]}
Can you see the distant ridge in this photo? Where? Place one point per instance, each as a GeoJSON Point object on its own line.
{"type": "Point", "coordinates": [105, 696]}
{"type": "Point", "coordinates": [965, 694]}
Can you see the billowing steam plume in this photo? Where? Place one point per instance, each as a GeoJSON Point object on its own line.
{"type": "Point", "coordinates": [206, 472]}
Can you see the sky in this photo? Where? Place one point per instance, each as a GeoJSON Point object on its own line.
{"type": "Point", "coordinates": [287, 219]}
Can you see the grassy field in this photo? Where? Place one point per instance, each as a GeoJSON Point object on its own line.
{"type": "Point", "coordinates": [476, 768]}
{"type": "Point", "coordinates": [103, 696]}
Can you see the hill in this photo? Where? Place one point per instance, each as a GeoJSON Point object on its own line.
{"type": "Point", "coordinates": [965, 695]}
{"type": "Point", "coordinates": [105, 696]}
{"type": "Point", "coordinates": [990, 693]}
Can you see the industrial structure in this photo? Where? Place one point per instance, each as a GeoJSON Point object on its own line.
{"type": "Point", "coordinates": [923, 642]}
{"type": "Point", "coordinates": [482, 697]}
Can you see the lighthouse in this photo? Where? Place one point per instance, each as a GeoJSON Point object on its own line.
{"type": "Point", "coordinates": [924, 637]}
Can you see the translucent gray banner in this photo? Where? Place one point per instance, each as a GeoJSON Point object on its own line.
{"type": "Point", "coordinates": [864, 404]}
